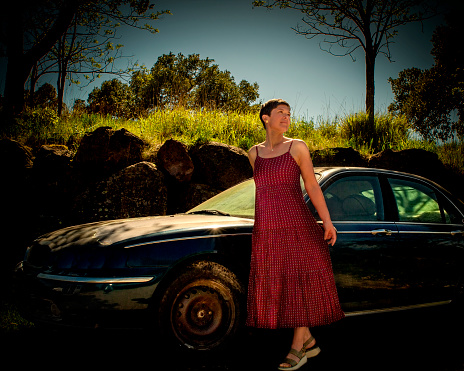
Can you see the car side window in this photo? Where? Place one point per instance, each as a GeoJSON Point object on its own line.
{"type": "Point", "coordinates": [355, 198]}
{"type": "Point", "coordinates": [419, 203]}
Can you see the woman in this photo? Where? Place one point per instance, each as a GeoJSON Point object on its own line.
{"type": "Point", "coordinates": [291, 280]}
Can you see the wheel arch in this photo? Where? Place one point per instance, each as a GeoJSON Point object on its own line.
{"type": "Point", "coordinates": [182, 265]}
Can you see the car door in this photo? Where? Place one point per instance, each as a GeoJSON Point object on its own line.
{"type": "Point", "coordinates": [356, 207]}
{"type": "Point", "coordinates": [424, 266]}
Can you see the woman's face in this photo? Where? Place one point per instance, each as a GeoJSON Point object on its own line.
{"type": "Point", "coordinates": [279, 120]}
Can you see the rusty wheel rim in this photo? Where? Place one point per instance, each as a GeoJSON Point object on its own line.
{"type": "Point", "coordinates": [203, 314]}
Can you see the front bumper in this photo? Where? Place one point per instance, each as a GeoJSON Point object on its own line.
{"type": "Point", "coordinates": [83, 301]}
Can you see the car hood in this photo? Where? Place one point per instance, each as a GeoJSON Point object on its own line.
{"type": "Point", "coordinates": [122, 231]}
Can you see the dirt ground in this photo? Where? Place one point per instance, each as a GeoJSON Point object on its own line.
{"type": "Point", "coordinates": [427, 339]}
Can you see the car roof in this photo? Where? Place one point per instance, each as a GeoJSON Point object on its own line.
{"type": "Point", "coordinates": [325, 171]}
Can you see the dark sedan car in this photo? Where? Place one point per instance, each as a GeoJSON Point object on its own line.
{"type": "Point", "coordinates": [400, 245]}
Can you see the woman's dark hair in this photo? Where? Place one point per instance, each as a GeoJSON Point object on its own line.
{"type": "Point", "coordinates": [266, 108]}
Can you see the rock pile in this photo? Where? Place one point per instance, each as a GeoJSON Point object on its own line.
{"type": "Point", "coordinates": [110, 177]}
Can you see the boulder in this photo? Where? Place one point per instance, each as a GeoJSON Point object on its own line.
{"type": "Point", "coordinates": [198, 193]}
{"type": "Point", "coordinates": [16, 219]}
{"type": "Point", "coordinates": [220, 165]}
{"type": "Point", "coordinates": [16, 163]}
{"type": "Point", "coordinates": [414, 161]}
{"type": "Point", "coordinates": [14, 157]}
{"type": "Point", "coordinates": [420, 162]}
{"type": "Point", "coordinates": [52, 160]}
{"type": "Point", "coordinates": [338, 157]}
{"type": "Point", "coordinates": [52, 181]}
{"type": "Point", "coordinates": [175, 160]}
{"type": "Point", "coordinates": [138, 190]}
{"type": "Point", "coordinates": [106, 151]}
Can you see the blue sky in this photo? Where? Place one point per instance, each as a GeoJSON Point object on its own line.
{"type": "Point", "coordinates": [258, 45]}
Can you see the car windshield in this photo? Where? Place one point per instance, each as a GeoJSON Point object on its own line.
{"type": "Point", "coordinates": [236, 201]}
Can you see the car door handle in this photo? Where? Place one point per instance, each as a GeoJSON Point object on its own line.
{"type": "Point", "coordinates": [383, 232]}
{"type": "Point", "coordinates": [457, 233]}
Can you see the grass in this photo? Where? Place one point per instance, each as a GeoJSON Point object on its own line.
{"type": "Point", "coordinates": [10, 319]}
{"type": "Point", "coordinates": [242, 130]}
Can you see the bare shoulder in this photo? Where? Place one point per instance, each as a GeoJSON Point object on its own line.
{"type": "Point", "coordinates": [300, 152]}
{"type": "Point", "coordinates": [299, 148]}
{"type": "Point", "coordinates": [252, 151]}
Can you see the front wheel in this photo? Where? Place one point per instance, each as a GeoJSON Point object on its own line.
{"type": "Point", "coordinates": [202, 308]}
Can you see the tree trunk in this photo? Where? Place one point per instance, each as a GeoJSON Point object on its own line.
{"type": "Point", "coordinates": [61, 73]}
{"type": "Point", "coordinates": [370, 91]}
{"type": "Point", "coordinates": [20, 63]}
{"type": "Point", "coordinates": [60, 90]}
{"type": "Point", "coordinates": [15, 76]}
{"type": "Point", "coordinates": [33, 81]}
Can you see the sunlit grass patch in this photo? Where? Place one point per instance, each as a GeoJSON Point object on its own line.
{"type": "Point", "coordinates": [42, 126]}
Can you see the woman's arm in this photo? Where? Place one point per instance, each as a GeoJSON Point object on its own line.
{"type": "Point", "coordinates": [252, 156]}
{"type": "Point", "coordinates": [300, 153]}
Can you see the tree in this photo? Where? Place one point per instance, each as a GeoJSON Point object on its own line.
{"type": "Point", "coordinates": [433, 99]}
{"type": "Point", "coordinates": [21, 60]}
{"type": "Point", "coordinates": [248, 93]}
{"type": "Point", "coordinates": [45, 96]}
{"type": "Point", "coordinates": [58, 15]}
{"type": "Point", "coordinates": [353, 24]}
{"type": "Point", "coordinates": [79, 107]}
{"type": "Point", "coordinates": [192, 82]}
{"type": "Point", "coordinates": [215, 89]}
{"type": "Point", "coordinates": [113, 98]}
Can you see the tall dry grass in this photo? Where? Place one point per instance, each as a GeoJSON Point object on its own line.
{"type": "Point", "coordinates": [238, 129]}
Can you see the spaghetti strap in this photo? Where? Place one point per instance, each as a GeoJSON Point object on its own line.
{"type": "Point", "coordinates": [289, 148]}
{"type": "Point", "coordinates": [257, 154]}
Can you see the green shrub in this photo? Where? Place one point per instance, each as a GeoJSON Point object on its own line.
{"type": "Point", "coordinates": [39, 119]}
{"type": "Point", "coordinates": [389, 132]}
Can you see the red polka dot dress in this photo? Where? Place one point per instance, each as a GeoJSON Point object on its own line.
{"type": "Point", "coordinates": [291, 280]}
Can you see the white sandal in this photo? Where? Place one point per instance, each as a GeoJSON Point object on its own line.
{"type": "Point", "coordinates": [294, 365]}
{"type": "Point", "coordinates": [312, 351]}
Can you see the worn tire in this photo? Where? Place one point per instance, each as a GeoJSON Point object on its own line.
{"type": "Point", "coordinates": [203, 307]}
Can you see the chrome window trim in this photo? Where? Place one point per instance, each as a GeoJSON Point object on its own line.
{"type": "Point", "coordinates": [452, 225]}
{"type": "Point", "coordinates": [360, 222]}
{"type": "Point", "coordinates": [425, 232]}
{"type": "Point", "coordinates": [364, 232]}
{"type": "Point", "coordinates": [100, 280]}
{"type": "Point", "coordinates": [415, 178]}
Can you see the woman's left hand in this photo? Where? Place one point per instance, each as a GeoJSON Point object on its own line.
{"type": "Point", "coordinates": [330, 233]}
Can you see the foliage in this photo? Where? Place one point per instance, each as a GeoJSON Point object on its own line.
{"type": "Point", "coordinates": [39, 120]}
{"type": "Point", "coordinates": [191, 82]}
{"type": "Point", "coordinates": [200, 126]}
{"type": "Point", "coordinates": [240, 129]}
{"type": "Point", "coordinates": [10, 319]}
{"type": "Point", "coordinates": [45, 96]}
{"type": "Point", "coordinates": [433, 100]}
{"type": "Point", "coordinates": [173, 81]}
{"type": "Point", "coordinates": [389, 132]}
{"type": "Point", "coordinates": [113, 98]}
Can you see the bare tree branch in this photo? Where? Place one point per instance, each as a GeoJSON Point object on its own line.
{"type": "Point", "coordinates": [348, 25]}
